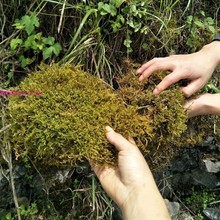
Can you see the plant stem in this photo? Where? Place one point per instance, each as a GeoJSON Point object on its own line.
{"type": "Point", "coordinates": [6, 153]}
{"type": "Point", "coordinates": [80, 28]}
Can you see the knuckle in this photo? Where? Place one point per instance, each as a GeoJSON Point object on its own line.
{"type": "Point", "coordinates": [169, 79]}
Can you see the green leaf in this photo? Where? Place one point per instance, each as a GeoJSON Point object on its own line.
{"type": "Point", "coordinates": [189, 19]}
{"type": "Point", "coordinates": [34, 42]}
{"type": "Point", "coordinates": [108, 9]}
{"type": "Point", "coordinates": [133, 8]}
{"type": "Point", "coordinates": [145, 46]}
{"type": "Point", "coordinates": [199, 23]}
{"type": "Point", "coordinates": [112, 2]}
{"type": "Point", "coordinates": [121, 18]}
{"type": "Point", "coordinates": [100, 5]}
{"type": "Point", "coordinates": [202, 13]}
{"type": "Point", "coordinates": [8, 216]}
{"type": "Point", "coordinates": [212, 29]}
{"type": "Point", "coordinates": [189, 42]}
{"type": "Point", "coordinates": [137, 26]}
{"type": "Point", "coordinates": [15, 42]}
{"type": "Point", "coordinates": [10, 74]}
{"type": "Point", "coordinates": [22, 61]}
{"type": "Point", "coordinates": [30, 43]}
{"type": "Point", "coordinates": [118, 3]}
{"type": "Point", "coordinates": [56, 48]}
{"type": "Point", "coordinates": [18, 25]}
{"type": "Point", "coordinates": [28, 23]}
{"type": "Point", "coordinates": [30, 60]}
{"type": "Point", "coordinates": [38, 36]}
{"type": "Point", "coordinates": [47, 52]}
{"type": "Point", "coordinates": [116, 26]}
{"type": "Point", "coordinates": [25, 61]}
{"type": "Point", "coordinates": [49, 40]}
{"type": "Point", "coordinates": [209, 21]}
{"type": "Point", "coordinates": [127, 43]}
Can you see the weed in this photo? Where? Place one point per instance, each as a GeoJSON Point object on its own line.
{"type": "Point", "coordinates": [32, 43]}
{"type": "Point", "coordinates": [199, 201]}
{"type": "Point", "coordinates": [197, 25]}
{"type": "Point", "coordinates": [29, 46]}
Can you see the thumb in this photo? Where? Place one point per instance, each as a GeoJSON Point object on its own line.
{"type": "Point", "coordinates": [194, 107]}
{"type": "Point", "coordinates": [188, 108]}
{"type": "Point", "coordinates": [118, 140]}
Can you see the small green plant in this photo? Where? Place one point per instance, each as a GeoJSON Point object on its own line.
{"type": "Point", "coordinates": [211, 88]}
{"type": "Point", "coordinates": [128, 16]}
{"type": "Point", "coordinates": [197, 26]}
{"type": "Point", "coordinates": [25, 212]}
{"type": "Point", "coordinates": [9, 216]}
{"type": "Point", "coordinates": [31, 42]}
{"type": "Point", "coordinates": [30, 211]}
{"type": "Point", "coordinates": [28, 47]}
{"type": "Point", "coordinates": [199, 201]}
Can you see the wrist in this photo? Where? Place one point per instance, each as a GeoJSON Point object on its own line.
{"type": "Point", "coordinates": [212, 51]}
{"type": "Point", "coordinates": [145, 203]}
{"type": "Point", "coordinates": [212, 107]}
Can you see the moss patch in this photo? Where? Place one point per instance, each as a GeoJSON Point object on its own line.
{"type": "Point", "coordinates": [65, 124]}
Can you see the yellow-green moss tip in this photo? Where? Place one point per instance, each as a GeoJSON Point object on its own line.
{"type": "Point", "coordinates": [65, 124]}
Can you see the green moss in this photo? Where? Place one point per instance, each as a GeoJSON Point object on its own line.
{"type": "Point", "coordinates": [165, 113]}
{"type": "Point", "coordinates": [66, 123]}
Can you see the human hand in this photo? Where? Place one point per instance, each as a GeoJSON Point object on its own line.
{"type": "Point", "coordinates": [207, 104]}
{"type": "Point", "coordinates": [197, 68]}
{"type": "Point", "coordinates": [131, 185]}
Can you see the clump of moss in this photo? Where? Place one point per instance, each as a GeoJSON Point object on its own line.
{"type": "Point", "coordinates": [165, 112]}
{"type": "Point", "coordinates": [65, 124]}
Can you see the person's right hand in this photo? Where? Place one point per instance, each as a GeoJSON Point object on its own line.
{"type": "Point", "coordinates": [197, 68]}
{"type": "Point", "coordinates": [131, 184]}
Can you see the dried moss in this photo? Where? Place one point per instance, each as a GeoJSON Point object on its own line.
{"type": "Point", "coordinates": [65, 124]}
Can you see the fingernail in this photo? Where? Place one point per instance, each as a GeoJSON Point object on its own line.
{"type": "Point", "coordinates": [140, 78]}
{"type": "Point", "coordinates": [108, 129]}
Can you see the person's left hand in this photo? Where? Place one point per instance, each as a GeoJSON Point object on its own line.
{"type": "Point", "coordinates": [206, 104]}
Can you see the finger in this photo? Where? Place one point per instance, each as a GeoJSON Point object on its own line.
{"type": "Point", "coordinates": [157, 66]}
{"type": "Point", "coordinates": [118, 140]}
{"type": "Point", "coordinates": [192, 87]}
{"type": "Point", "coordinates": [189, 108]}
{"type": "Point", "coordinates": [146, 65]}
{"type": "Point", "coordinates": [100, 170]}
{"type": "Point", "coordinates": [168, 81]}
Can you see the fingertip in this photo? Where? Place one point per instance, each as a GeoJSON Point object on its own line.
{"type": "Point", "coordinates": [156, 91]}
{"type": "Point", "coordinates": [138, 71]}
{"type": "Point", "coordinates": [108, 129]}
{"type": "Point", "coordinates": [141, 78]}
{"type": "Point", "coordinates": [186, 92]}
